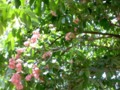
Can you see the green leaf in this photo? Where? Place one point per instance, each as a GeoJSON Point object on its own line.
{"type": "Point", "coordinates": [30, 61]}
{"type": "Point", "coordinates": [17, 3]}
{"type": "Point", "coordinates": [1, 29]}
{"type": "Point", "coordinates": [31, 2]}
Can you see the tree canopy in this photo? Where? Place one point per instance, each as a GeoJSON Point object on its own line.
{"type": "Point", "coordinates": [60, 44]}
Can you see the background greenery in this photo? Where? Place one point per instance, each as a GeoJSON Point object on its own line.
{"type": "Point", "coordinates": [89, 61]}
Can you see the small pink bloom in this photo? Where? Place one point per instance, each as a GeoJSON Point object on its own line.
{"type": "Point", "coordinates": [15, 79]}
{"type": "Point", "coordinates": [20, 50]}
{"type": "Point", "coordinates": [36, 76]}
{"type": "Point", "coordinates": [46, 55]}
{"type": "Point", "coordinates": [17, 56]}
{"type": "Point", "coordinates": [34, 39]}
{"type": "Point", "coordinates": [11, 63]}
{"type": "Point", "coordinates": [19, 67]}
{"type": "Point", "coordinates": [69, 36]}
{"type": "Point", "coordinates": [26, 43]}
{"type": "Point", "coordinates": [19, 86]}
{"type": "Point", "coordinates": [36, 72]}
{"type": "Point", "coordinates": [36, 33]}
{"type": "Point", "coordinates": [28, 77]}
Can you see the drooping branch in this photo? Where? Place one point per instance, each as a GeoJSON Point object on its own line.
{"type": "Point", "coordinates": [111, 35]}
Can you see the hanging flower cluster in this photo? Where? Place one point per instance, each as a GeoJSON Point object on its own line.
{"type": "Point", "coordinates": [35, 74]}
{"type": "Point", "coordinates": [16, 80]}
{"type": "Point", "coordinates": [11, 63]}
{"type": "Point", "coordinates": [28, 77]}
{"type": "Point", "coordinates": [46, 55]}
{"type": "Point", "coordinates": [16, 63]}
{"type": "Point", "coordinates": [33, 40]}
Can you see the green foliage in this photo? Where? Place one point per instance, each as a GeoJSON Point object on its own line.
{"type": "Point", "coordinates": [82, 35]}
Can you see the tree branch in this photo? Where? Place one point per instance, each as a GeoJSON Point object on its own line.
{"type": "Point", "coordinates": [66, 50]}
{"type": "Point", "coordinates": [112, 35]}
{"type": "Point", "coordinates": [55, 40]}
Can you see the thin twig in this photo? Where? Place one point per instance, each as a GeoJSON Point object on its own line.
{"type": "Point", "coordinates": [56, 40]}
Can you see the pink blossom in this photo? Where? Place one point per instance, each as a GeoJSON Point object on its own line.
{"type": "Point", "coordinates": [19, 67]}
{"type": "Point", "coordinates": [46, 54]}
{"type": "Point", "coordinates": [11, 63]}
{"type": "Point", "coordinates": [34, 39]}
{"type": "Point", "coordinates": [15, 79]}
{"type": "Point", "coordinates": [20, 50]}
{"type": "Point", "coordinates": [35, 36]}
{"type": "Point", "coordinates": [28, 77]}
{"type": "Point", "coordinates": [36, 76]}
{"type": "Point", "coordinates": [19, 86]}
{"type": "Point", "coordinates": [36, 33]}
{"type": "Point", "coordinates": [26, 43]}
{"type": "Point", "coordinates": [69, 36]}
{"type": "Point", "coordinates": [17, 56]}
{"type": "Point", "coordinates": [36, 72]}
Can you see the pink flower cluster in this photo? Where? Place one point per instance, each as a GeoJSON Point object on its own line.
{"type": "Point", "coordinates": [11, 63]}
{"type": "Point", "coordinates": [16, 80]}
{"type": "Point", "coordinates": [35, 74]}
{"type": "Point", "coordinates": [16, 63]}
{"type": "Point", "coordinates": [46, 55]}
{"type": "Point", "coordinates": [33, 39]}
{"type": "Point", "coordinates": [28, 77]}
{"type": "Point", "coordinates": [69, 36]}
{"type": "Point", "coordinates": [19, 67]}
{"type": "Point", "coordinates": [19, 52]}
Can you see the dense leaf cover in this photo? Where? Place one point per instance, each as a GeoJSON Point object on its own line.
{"type": "Point", "coordinates": [60, 44]}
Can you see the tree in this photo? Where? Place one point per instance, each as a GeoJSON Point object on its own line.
{"type": "Point", "coordinates": [60, 44]}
